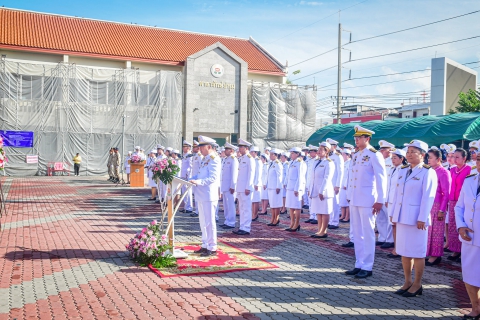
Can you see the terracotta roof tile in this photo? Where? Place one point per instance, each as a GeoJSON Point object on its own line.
{"type": "Point", "coordinates": [38, 31]}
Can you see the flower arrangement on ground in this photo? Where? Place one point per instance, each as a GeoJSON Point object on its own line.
{"type": "Point", "coordinates": [165, 170]}
{"type": "Point", "coordinates": [135, 159]}
{"type": "Point", "coordinates": [150, 247]}
{"type": "Point", "coordinates": [3, 158]}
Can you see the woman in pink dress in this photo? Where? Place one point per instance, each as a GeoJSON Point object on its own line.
{"type": "Point", "coordinates": [458, 173]}
{"type": "Point", "coordinates": [437, 214]}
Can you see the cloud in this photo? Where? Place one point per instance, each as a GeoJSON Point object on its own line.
{"type": "Point", "coordinates": [310, 3]}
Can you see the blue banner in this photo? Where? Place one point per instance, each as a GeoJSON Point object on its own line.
{"type": "Point", "coordinates": [17, 139]}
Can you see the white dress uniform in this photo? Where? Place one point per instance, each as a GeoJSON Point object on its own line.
{"type": "Point", "coordinates": [264, 191]}
{"type": "Point", "coordinates": [284, 178]}
{"type": "Point", "coordinates": [150, 162]}
{"type": "Point", "coordinates": [392, 181]}
{"type": "Point", "coordinates": [337, 182]}
{"type": "Point", "coordinates": [384, 226]}
{"type": "Point", "coordinates": [321, 182]}
{"type": "Point", "coordinates": [412, 202]}
{"type": "Point", "coordinates": [206, 193]}
{"type": "Point", "coordinates": [467, 215]}
{"type": "Point", "coordinates": [295, 182]}
{"type": "Point", "coordinates": [367, 186]}
{"type": "Point", "coordinates": [246, 173]}
{"type": "Point", "coordinates": [229, 181]}
{"type": "Point", "coordinates": [161, 187]}
{"type": "Point", "coordinates": [274, 182]}
{"type": "Point", "coordinates": [343, 190]}
{"type": "Point", "coordinates": [196, 164]}
{"type": "Point", "coordinates": [257, 180]}
{"type": "Point", "coordinates": [175, 186]}
{"type": "Point", "coordinates": [186, 174]}
{"type": "Point", "coordinates": [310, 164]}
{"type": "Point", "coordinates": [127, 165]}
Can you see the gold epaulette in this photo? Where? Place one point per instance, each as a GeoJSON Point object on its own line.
{"type": "Point", "coordinates": [337, 153]}
{"type": "Point", "coordinates": [471, 175]}
{"type": "Point", "coordinates": [373, 150]}
{"type": "Point", "coordinates": [405, 166]}
{"type": "Point", "coordinates": [248, 155]}
{"type": "Point", "coordinates": [329, 160]}
{"type": "Point", "coordinates": [233, 157]}
{"type": "Point", "coordinates": [277, 161]}
{"type": "Point", "coordinates": [212, 156]}
{"type": "Point", "coordinates": [426, 166]}
{"type": "Point", "coordinates": [474, 167]}
{"type": "Point", "coordinates": [299, 159]}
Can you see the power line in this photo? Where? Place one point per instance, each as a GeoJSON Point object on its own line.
{"type": "Point", "coordinates": [316, 21]}
{"type": "Point", "coordinates": [375, 84]}
{"type": "Point", "coordinates": [403, 51]}
{"type": "Point", "coordinates": [321, 54]}
{"type": "Point", "coordinates": [423, 25]}
{"type": "Point", "coordinates": [315, 73]}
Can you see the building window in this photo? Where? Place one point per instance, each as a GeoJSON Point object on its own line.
{"type": "Point", "coordinates": [425, 114]}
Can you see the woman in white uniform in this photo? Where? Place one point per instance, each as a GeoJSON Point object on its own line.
{"type": "Point", "coordinates": [295, 183]}
{"type": "Point", "coordinates": [467, 216]}
{"type": "Point", "coordinates": [127, 166]}
{"type": "Point", "coordinates": [274, 186]}
{"type": "Point", "coordinates": [264, 194]}
{"type": "Point", "coordinates": [410, 212]}
{"type": "Point", "coordinates": [320, 189]}
{"type": "Point", "coordinates": [149, 165]}
{"type": "Point", "coordinates": [345, 212]}
{"type": "Point", "coordinates": [285, 162]}
{"type": "Point", "coordinates": [257, 183]}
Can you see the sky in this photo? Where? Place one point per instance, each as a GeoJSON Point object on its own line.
{"type": "Point", "coordinates": [295, 31]}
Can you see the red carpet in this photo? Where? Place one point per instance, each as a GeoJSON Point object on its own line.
{"type": "Point", "coordinates": [228, 259]}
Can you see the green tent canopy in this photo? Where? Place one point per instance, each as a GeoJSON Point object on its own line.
{"type": "Point", "coordinates": [434, 130]}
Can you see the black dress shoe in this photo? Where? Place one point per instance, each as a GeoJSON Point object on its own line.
{"type": "Point", "coordinates": [305, 207]}
{"type": "Point", "coordinates": [157, 201]}
{"type": "Point", "coordinates": [435, 262]}
{"type": "Point", "coordinates": [241, 232]}
{"type": "Point", "coordinates": [446, 250]}
{"type": "Point", "coordinates": [284, 212]}
{"type": "Point", "coordinates": [363, 274]}
{"type": "Point", "coordinates": [152, 199]}
{"type": "Point", "coordinates": [187, 211]}
{"type": "Point", "coordinates": [208, 253]}
{"type": "Point", "coordinates": [227, 227]}
{"type": "Point", "coordinates": [314, 222]}
{"type": "Point", "coordinates": [294, 230]}
{"type": "Point", "coordinates": [263, 213]}
{"type": "Point", "coordinates": [353, 271]}
{"type": "Point", "coordinates": [201, 250]}
{"type": "Point", "coordinates": [387, 245]}
{"type": "Point", "coordinates": [287, 229]}
{"type": "Point", "coordinates": [419, 292]}
{"type": "Point", "coordinates": [453, 257]}
{"type": "Point", "coordinates": [471, 317]}
{"type": "Point", "coordinates": [401, 291]}
{"type": "Point", "coordinates": [391, 255]}
{"type": "Point", "coordinates": [349, 244]}
{"type": "Point", "coordinates": [308, 221]}
{"type": "Point", "coordinates": [379, 243]}
{"type": "Point", "coordinates": [194, 214]}
{"type": "Point", "coordinates": [332, 227]}
{"type": "Point", "coordinates": [316, 236]}
{"type": "Point", "coordinates": [256, 218]}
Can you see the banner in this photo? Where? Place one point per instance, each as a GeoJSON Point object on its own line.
{"type": "Point", "coordinates": [17, 139]}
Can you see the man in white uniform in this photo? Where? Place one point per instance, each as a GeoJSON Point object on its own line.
{"type": "Point", "coordinates": [207, 182]}
{"type": "Point", "coordinates": [257, 182]}
{"type": "Point", "coordinates": [245, 187]}
{"type": "Point", "coordinates": [162, 188]}
{"type": "Point", "coordinates": [310, 162]}
{"type": "Point", "coordinates": [366, 193]}
{"type": "Point", "coordinates": [186, 174]}
{"type": "Point", "coordinates": [384, 227]}
{"type": "Point", "coordinates": [228, 184]}
{"type": "Point", "coordinates": [196, 164]}
{"type": "Point", "coordinates": [337, 159]}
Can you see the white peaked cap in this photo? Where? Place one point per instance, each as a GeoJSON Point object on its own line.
{"type": "Point", "coordinates": [326, 144]}
{"type": "Point", "coordinates": [348, 145]}
{"type": "Point", "coordinates": [195, 142]}
{"type": "Point", "coordinates": [169, 149]}
{"type": "Point", "coordinates": [204, 140]}
{"type": "Point", "coordinates": [257, 149]}
{"type": "Point", "coordinates": [295, 149]}
{"type": "Point", "coordinates": [159, 146]}
{"type": "Point", "coordinates": [419, 144]}
{"type": "Point", "coordinates": [244, 143]}
{"type": "Point", "coordinates": [399, 152]}
{"type": "Point", "coordinates": [186, 143]}
{"type": "Point", "coordinates": [360, 131]}
{"type": "Point", "coordinates": [385, 144]}
{"type": "Point", "coordinates": [229, 146]}
{"type": "Point", "coordinates": [331, 141]}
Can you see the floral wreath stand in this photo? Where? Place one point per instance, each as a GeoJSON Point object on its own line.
{"type": "Point", "coordinates": [173, 189]}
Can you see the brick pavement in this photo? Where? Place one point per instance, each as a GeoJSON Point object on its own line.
{"type": "Point", "coordinates": [62, 256]}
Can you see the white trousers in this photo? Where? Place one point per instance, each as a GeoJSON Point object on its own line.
{"type": "Point", "coordinates": [162, 190]}
{"type": "Point", "coordinates": [206, 216]}
{"type": "Point", "coordinates": [187, 201]}
{"type": "Point", "coordinates": [363, 224]}
{"type": "Point", "coordinates": [229, 208]}
{"type": "Point", "coordinates": [335, 214]}
{"type": "Point", "coordinates": [306, 200]}
{"type": "Point", "coordinates": [245, 210]}
{"type": "Point", "coordinates": [313, 216]}
{"type": "Point", "coordinates": [385, 230]}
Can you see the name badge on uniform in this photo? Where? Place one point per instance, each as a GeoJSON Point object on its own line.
{"type": "Point", "coordinates": [322, 166]}
{"type": "Point", "coordinates": [366, 158]}
{"type": "Point", "coordinates": [415, 178]}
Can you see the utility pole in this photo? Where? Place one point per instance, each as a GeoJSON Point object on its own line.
{"type": "Point", "coordinates": [339, 83]}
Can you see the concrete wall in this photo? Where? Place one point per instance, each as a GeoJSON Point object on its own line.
{"type": "Point", "coordinates": [216, 105]}
{"type": "Point", "coordinates": [448, 79]}
{"type": "Point", "coordinates": [265, 77]}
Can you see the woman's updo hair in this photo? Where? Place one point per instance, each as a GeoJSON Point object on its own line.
{"type": "Point", "coordinates": [464, 153]}
{"type": "Point", "coordinates": [264, 156]}
{"type": "Point", "coordinates": [436, 153]}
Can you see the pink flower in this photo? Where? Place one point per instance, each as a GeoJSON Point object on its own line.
{"type": "Point", "coordinates": [174, 162]}
{"type": "Point", "coordinates": [164, 237]}
{"type": "Point", "coordinates": [144, 230]}
{"type": "Point", "coordinates": [154, 222]}
{"type": "Point", "coordinates": [153, 238]}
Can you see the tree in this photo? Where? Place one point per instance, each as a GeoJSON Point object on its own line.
{"type": "Point", "coordinates": [468, 102]}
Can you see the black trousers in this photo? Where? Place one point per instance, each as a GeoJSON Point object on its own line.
{"type": "Point", "coordinates": [76, 168]}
